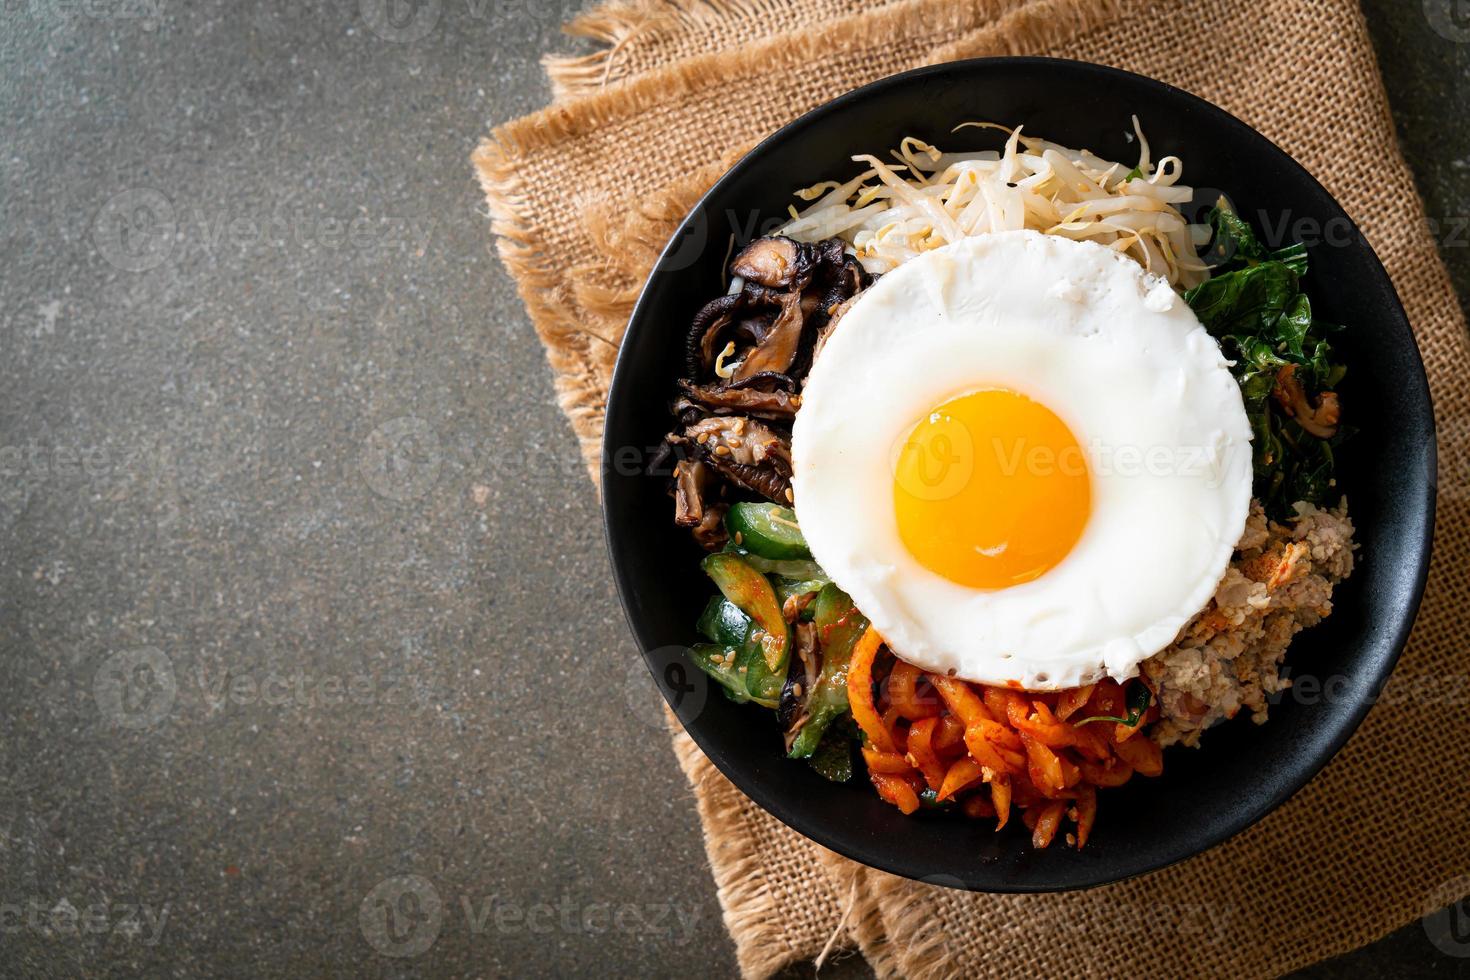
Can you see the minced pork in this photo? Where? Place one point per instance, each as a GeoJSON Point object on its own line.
{"type": "Point", "coordinates": [1229, 656]}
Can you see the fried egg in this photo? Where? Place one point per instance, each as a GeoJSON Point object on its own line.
{"type": "Point", "coordinates": [1025, 460]}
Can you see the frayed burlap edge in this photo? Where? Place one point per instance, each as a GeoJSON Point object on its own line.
{"type": "Point", "coordinates": [751, 916]}
{"type": "Point", "coordinates": [674, 30]}
{"type": "Point", "coordinates": [559, 122]}
{"type": "Point", "coordinates": [565, 340]}
{"type": "Point", "coordinates": [611, 26]}
{"type": "Point", "coordinates": [863, 920]}
{"type": "Point", "coordinates": [758, 926]}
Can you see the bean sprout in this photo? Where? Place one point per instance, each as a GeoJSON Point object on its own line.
{"type": "Point", "coordinates": [927, 198]}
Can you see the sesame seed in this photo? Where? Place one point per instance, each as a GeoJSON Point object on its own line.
{"type": "Point", "coordinates": [739, 426]}
{"type": "Point", "coordinates": [739, 538]}
{"type": "Point", "coordinates": [702, 438]}
{"type": "Point", "coordinates": [790, 497]}
{"type": "Point", "coordinates": [722, 450]}
{"type": "Point", "coordinates": [1072, 840]}
{"type": "Point", "coordinates": [735, 441]}
{"type": "Point", "coordinates": [796, 688]}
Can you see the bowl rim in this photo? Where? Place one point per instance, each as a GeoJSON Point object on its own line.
{"type": "Point", "coordinates": [1346, 721]}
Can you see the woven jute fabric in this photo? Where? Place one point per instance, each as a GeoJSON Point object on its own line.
{"type": "Point", "coordinates": [585, 193]}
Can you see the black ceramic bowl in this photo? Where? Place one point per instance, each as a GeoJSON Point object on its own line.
{"type": "Point", "coordinates": [1243, 770]}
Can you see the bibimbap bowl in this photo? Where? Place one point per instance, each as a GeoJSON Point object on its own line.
{"type": "Point", "coordinates": [1241, 771]}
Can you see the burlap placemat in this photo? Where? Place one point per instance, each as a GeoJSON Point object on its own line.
{"type": "Point", "coordinates": [586, 192]}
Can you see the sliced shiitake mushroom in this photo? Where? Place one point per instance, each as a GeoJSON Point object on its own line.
{"type": "Point", "coordinates": [737, 399]}
{"type": "Point", "coordinates": [778, 349]}
{"type": "Point", "coordinates": [705, 331]}
{"type": "Point", "coordinates": [776, 262]}
{"type": "Point", "coordinates": [791, 294]}
{"type": "Point", "coordinates": [789, 291]}
{"type": "Point", "coordinates": [801, 680]}
{"type": "Point", "coordinates": [743, 451]}
{"type": "Point", "coordinates": [694, 486]}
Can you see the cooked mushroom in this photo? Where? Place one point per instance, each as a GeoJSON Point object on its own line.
{"type": "Point", "coordinates": [789, 291]}
{"type": "Point", "coordinates": [710, 531]}
{"type": "Point", "coordinates": [796, 604]}
{"type": "Point", "coordinates": [705, 331]}
{"type": "Point", "coordinates": [768, 482]}
{"type": "Point", "coordinates": [740, 440]}
{"type": "Point", "coordinates": [776, 263]}
{"type": "Point", "coordinates": [743, 451]}
{"type": "Point", "coordinates": [766, 381]}
{"type": "Point", "coordinates": [851, 278]}
{"type": "Point", "coordinates": [753, 329]}
{"type": "Point", "coordinates": [737, 399]}
{"type": "Point", "coordinates": [694, 482]}
{"type": "Point", "coordinates": [766, 319]}
{"type": "Point", "coordinates": [801, 680]}
{"type": "Point", "coordinates": [1320, 419]}
{"type": "Point", "coordinates": [847, 280]}
{"type": "Point", "coordinates": [842, 280]}
{"type": "Point", "coordinates": [778, 349]}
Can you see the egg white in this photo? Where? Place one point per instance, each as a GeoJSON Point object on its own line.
{"type": "Point", "coordinates": [1121, 359]}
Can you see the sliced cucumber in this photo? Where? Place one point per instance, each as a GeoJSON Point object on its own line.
{"type": "Point", "coordinates": [767, 530]}
{"type": "Point", "coordinates": [839, 625]}
{"type": "Point", "coordinates": [722, 622]}
{"type": "Point", "coordinates": [752, 592]}
{"type": "Point", "coordinates": [721, 663]}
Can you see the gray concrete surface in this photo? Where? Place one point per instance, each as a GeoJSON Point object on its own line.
{"type": "Point", "coordinates": [277, 701]}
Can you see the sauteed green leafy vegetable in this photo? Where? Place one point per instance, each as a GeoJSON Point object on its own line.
{"type": "Point", "coordinates": [1255, 307]}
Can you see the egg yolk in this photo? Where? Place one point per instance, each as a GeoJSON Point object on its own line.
{"type": "Point", "coordinates": [990, 489]}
